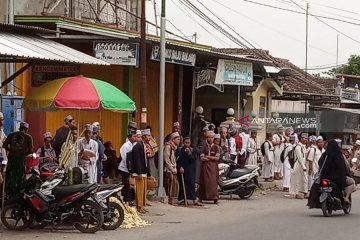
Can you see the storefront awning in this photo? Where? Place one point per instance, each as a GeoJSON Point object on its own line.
{"type": "Point", "coordinates": [345, 110]}
{"type": "Point", "coordinates": [19, 47]}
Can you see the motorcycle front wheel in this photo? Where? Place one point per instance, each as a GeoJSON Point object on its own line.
{"type": "Point", "coordinates": [326, 211]}
{"type": "Point", "coordinates": [16, 216]}
{"type": "Point", "coordinates": [113, 217]}
{"type": "Point", "coordinates": [89, 217]}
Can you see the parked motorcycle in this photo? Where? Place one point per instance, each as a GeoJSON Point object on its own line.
{"type": "Point", "coordinates": [44, 203]}
{"type": "Point", "coordinates": [332, 198]}
{"type": "Point", "coordinates": [113, 212]}
{"type": "Point", "coordinates": [238, 181]}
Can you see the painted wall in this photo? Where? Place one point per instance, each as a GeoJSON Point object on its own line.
{"type": "Point", "coordinates": [34, 7]}
{"type": "Point", "coordinates": [153, 76]}
{"type": "Point", "coordinates": [261, 92]}
{"type": "Point", "coordinates": [81, 10]}
{"type": "Point", "coordinates": [211, 100]}
{"type": "Point", "coordinates": [282, 106]}
{"type": "Point", "coordinates": [111, 123]}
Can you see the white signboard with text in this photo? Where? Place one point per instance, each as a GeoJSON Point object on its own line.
{"type": "Point", "coordinates": [117, 53]}
{"type": "Point", "coordinates": [234, 73]}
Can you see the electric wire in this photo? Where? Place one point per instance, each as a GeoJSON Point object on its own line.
{"type": "Point", "coordinates": [331, 7]}
{"type": "Point", "coordinates": [335, 29]}
{"type": "Point", "coordinates": [274, 29]}
{"type": "Point", "coordinates": [216, 26]}
{"type": "Point", "coordinates": [298, 12]}
{"type": "Point", "coordinates": [186, 12]}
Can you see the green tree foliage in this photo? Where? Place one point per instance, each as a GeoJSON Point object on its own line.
{"type": "Point", "coordinates": [352, 67]}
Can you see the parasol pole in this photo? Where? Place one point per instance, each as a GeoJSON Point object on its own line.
{"type": "Point", "coordinates": [100, 121]}
{"type": "Point", "coordinates": [78, 118]}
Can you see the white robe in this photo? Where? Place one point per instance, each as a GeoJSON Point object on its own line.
{"type": "Point", "coordinates": [277, 152]}
{"type": "Point", "coordinates": [232, 144]}
{"type": "Point", "coordinates": [287, 166]}
{"type": "Point", "coordinates": [252, 152]}
{"type": "Point", "coordinates": [268, 160]}
{"type": "Point", "coordinates": [90, 166]}
{"type": "Point", "coordinates": [244, 139]}
{"type": "Point", "coordinates": [3, 151]}
{"type": "Point", "coordinates": [299, 177]}
{"type": "Point", "coordinates": [125, 148]}
{"type": "Point", "coordinates": [313, 157]}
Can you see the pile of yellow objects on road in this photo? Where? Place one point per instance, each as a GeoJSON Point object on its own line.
{"type": "Point", "coordinates": [132, 219]}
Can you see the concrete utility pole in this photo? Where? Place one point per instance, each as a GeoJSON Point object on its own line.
{"type": "Point", "coordinates": [143, 80]}
{"type": "Point", "coordinates": [307, 38]}
{"type": "Point", "coordinates": [337, 55]}
{"type": "Point", "coordinates": [162, 101]}
{"type": "Point", "coordinates": [156, 19]}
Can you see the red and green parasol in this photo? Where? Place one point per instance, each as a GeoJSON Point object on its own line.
{"type": "Point", "coordinates": [79, 93]}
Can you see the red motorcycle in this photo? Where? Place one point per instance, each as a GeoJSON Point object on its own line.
{"type": "Point", "coordinates": [74, 205]}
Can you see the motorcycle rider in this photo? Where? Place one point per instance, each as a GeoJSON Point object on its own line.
{"type": "Point", "coordinates": [333, 168]}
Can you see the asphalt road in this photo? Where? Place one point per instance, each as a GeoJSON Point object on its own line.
{"type": "Point", "coordinates": [265, 217]}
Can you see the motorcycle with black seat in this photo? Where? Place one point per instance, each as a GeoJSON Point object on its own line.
{"type": "Point", "coordinates": [44, 203]}
{"type": "Point", "coordinates": [332, 198]}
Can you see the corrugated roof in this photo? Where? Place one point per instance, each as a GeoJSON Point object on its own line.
{"type": "Point", "coordinates": [24, 28]}
{"type": "Point", "coordinates": [25, 46]}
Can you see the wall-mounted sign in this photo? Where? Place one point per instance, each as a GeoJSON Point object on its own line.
{"type": "Point", "coordinates": [174, 56]}
{"type": "Point", "coordinates": [117, 53]}
{"type": "Point", "coordinates": [44, 73]}
{"type": "Point", "coordinates": [234, 73]}
{"type": "Point", "coordinates": [206, 77]}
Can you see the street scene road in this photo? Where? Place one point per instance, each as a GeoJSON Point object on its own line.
{"type": "Point", "coordinates": [265, 217]}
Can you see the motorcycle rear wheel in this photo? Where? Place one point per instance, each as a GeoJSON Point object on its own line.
{"type": "Point", "coordinates": [89, 217]}
{"type": "Point", "coordinates": [247, 194]}
{"type": "Point", "coordinates": [114, 216]}
{"type": "Point", "coordinates": [13, 214]}
{"type": "Point", "coordinates": [327, 212]}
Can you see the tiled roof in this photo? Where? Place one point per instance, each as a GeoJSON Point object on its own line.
{"type": "Point", "coordinates": [294, 79]}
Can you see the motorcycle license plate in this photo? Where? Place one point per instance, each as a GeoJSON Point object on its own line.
{"type": "Point", "coordinates": [326, 189]}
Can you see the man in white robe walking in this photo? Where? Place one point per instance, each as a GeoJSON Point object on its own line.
{"type": "Point", "coordinates": [252, 149]}
{"type": "Point", "coordinates": [299, 177]}
{"type": "Point", "coordinates": [287, 166]}
{"type": "Point", "coordinates": [268, 160]}
{"type": "Point", "coordinates": [314, 154]}
{"type": "Point", "coordinates": [279, 144]}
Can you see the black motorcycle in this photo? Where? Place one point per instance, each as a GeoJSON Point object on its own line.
{"type": "Point", "coordinates": [65, 204]}
{"type": "Point", "coordinates": [332, 198]}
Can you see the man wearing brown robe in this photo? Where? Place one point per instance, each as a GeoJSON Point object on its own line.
{"type": "Point", "coordinates": [210, 154]}
{"type": "Point", "coordinates": [170, 149]}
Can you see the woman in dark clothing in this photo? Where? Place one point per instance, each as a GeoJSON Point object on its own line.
{"type": "Point", "coordinates": [333, 169]}
{"type": "Point", "coordinates": [111, 164]}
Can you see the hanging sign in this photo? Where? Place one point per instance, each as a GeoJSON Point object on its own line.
{"type": "Point", "coordinates": [174, 56]}
{"type": "Point", "coordinates": [44, 73]}
{"type": "Point", "coordinates": [234, 73]}
{"type": "Point", "coordinates": [117, 53]}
